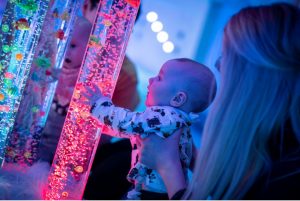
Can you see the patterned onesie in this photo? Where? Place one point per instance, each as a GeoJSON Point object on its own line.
{"type": "Point", "coordinates": [159, 120]}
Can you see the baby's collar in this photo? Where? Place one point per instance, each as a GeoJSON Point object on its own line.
{"type": "Point", "coordinates": [194, 116]}
{"type": "Point", "coordinates": [191, 116]}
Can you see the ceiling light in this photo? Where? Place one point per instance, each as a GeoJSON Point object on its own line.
{"type": "Point", "coordinates": [168, 47]}
{"type": "Point", "coordinates": [156, 26]}
{"type": "Point", "coordinates": [151, 16]}
{"type": "Point", "coordinates": [162, 36]}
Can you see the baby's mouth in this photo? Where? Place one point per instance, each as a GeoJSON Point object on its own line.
{"type": "Point", "coordinates": [71, 67]}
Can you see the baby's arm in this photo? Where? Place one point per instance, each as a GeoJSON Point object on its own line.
{"type": "Point", "coordinates": [155, 119]}
{"type": "Point", "coordinates": [120, 120]}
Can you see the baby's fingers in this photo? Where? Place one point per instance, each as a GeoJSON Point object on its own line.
{"type": "Point", "coordinates": [86, 95]}
{"type": "Point", "coordinates": [84, 102]}
{"type": "Point", "coordinates": [89, 89]}
{"type": "Point", "coordinates": [97, 89]}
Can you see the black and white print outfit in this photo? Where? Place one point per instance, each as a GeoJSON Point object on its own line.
{"type": "Point", "coordinates": [159, 120]}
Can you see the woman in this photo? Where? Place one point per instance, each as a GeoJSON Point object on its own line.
{"type": "Point", "coordinates": [250, 145]}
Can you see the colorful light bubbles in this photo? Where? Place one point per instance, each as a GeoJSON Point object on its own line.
{"type": "Point", "coordinates": [80, 135]}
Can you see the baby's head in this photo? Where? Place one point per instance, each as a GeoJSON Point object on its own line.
{"type": "Point", "coordinates": [77, 45]}
{"type": "Point", "coordinates": [89, 9]}
{"type": "Point", "coordinates": [73, 59]}
{"type": "Point", "coordinates": [184, 84]}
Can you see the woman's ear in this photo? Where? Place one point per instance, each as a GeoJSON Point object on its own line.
{"type": "Point", "coordinates": [179, 99]}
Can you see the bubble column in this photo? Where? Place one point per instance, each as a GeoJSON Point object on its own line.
{"type": "Point", "coordinates": [23, 142]}
{"type": "Point", "coordinates": [19, 34]}
{"type": "Point", "coordinates": [101, 66]}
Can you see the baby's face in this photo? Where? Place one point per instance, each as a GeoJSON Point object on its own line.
{"type": "Point", "coordinates": [163, 87]}
{"type": "Point", "coordinates": [88, 12]}
{"type": "Point", "coordinates": [76, 48]}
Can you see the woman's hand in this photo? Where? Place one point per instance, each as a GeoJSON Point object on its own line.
{"type": "Point", "coordinates": [163, 156]}
{"type": "Point", "coordinates": [155, 149]}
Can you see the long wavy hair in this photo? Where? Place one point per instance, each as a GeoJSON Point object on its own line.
{"type": "Point", "coordinates": [259, 92]}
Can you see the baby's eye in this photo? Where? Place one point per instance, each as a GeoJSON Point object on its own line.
{"type": "Point", "coordinates": [73, 45]}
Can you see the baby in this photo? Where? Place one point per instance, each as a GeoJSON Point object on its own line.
{"type": "Point", "coordinates": [182, 87]}
{"type": "Point", "coordinates": [66, 82]}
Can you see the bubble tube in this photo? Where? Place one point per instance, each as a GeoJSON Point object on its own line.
{"type": "Point", "coordinates": [19, 34]}
{"type": "Point", "coordinates": [101, 66]}
{"type": "Point", "coordinates": [23, 142]}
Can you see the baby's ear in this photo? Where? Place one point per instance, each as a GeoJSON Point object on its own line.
{"type": "Point", "coordinates": [179, 99]}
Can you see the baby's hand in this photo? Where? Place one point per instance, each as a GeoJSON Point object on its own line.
{"type": "Point", "coordinates": [92, 94]}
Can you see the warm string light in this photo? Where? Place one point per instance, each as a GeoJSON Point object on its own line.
{"type": "Point", "coordinates": [161, 36]}
{"type": "Point", "coordinates": [23, 142]}
{"type": "Point", "coordinates": [101, 65]}
{"type": "Point", "coordinates": [19, 34]}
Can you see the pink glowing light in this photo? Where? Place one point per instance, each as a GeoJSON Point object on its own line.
{"type": "Point", "coordinates": [101, 66]}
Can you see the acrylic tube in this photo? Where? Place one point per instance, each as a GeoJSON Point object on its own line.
{"type": "Point", "coordinates": [20, 30]}
{"type": "Point", "coordinates": [23, 141]}
{"type": "Point", "coordinates": [101, 66]}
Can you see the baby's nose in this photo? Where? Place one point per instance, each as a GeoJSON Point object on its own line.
{"type": "Point", "coordinates": [68, 60]}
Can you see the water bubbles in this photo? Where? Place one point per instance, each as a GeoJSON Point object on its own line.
{"type": "Point", "coordinates": [5, 28]}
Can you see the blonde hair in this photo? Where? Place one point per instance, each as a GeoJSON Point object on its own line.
{"type": "Point", "coordinates": [259, 92]}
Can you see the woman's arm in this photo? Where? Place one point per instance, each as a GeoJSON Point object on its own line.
{"type": "Point", "coordinates": [163, 156]}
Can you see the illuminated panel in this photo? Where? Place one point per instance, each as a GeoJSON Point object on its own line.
{"type": "Point", "coordinates": [102, 62]}
{"type": "Point", "coordinates": [20, 29]}
{"type": "Point", "coordinates": [23, 142]}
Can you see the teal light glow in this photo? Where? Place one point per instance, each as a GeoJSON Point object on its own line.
{"type": "Point", "coordinates": [24, 139]}
{"type": "Point", "coordinates": [18, 39]}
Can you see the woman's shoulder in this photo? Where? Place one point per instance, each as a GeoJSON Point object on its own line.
{"type": "Point", "coordinates": [178, 195]}
{"type": "Point", "coordinates": [285, 178]}
{"type": "Point", "coordinates": [282, 182]}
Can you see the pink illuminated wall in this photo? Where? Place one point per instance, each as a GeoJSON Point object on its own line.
{"type": "Point", "coordinates": [101, 66]}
